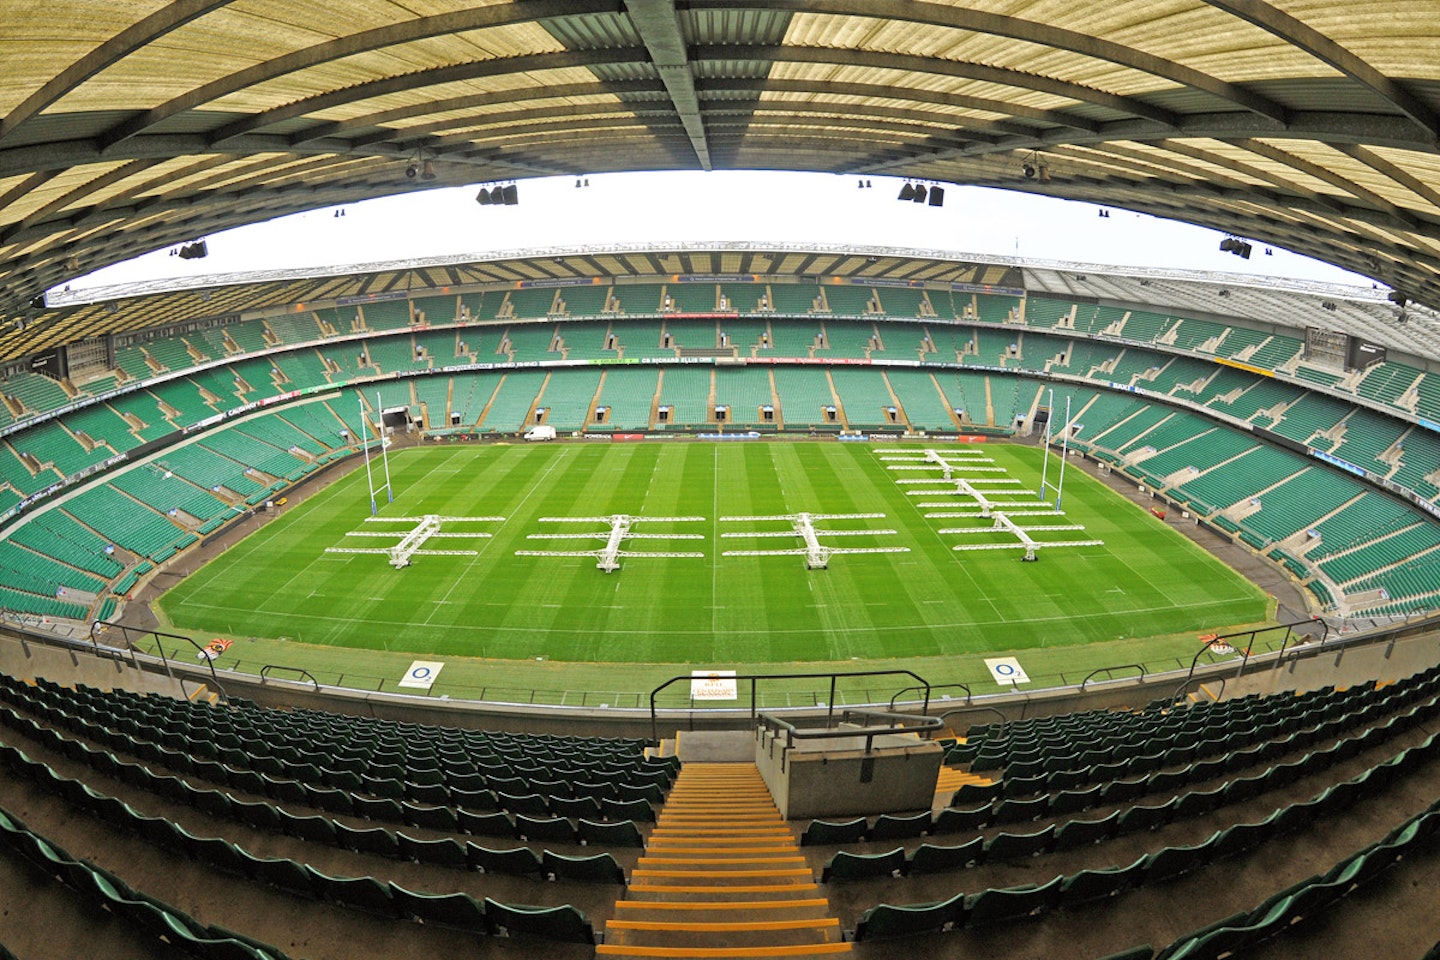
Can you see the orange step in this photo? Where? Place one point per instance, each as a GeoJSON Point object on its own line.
{"type": "Point", "coordinates": [777, 872]}
{"type": "Point", "coordinates": [793, 950]}
{"type": "Point", "coordinates": [722, 876]}
{"type": "Point", "coordinates": [821, 923]}
{"type": "Point", "coordinates": [722, 904]}
{"type": "Point", "coordinates": [770, 888]}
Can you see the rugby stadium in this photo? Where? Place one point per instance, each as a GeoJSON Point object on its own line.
{"type": "Point", "coordinates": [719, 598]}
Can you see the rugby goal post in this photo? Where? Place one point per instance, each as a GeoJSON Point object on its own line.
{"type": "Point", "coordinates": [384, 456]}
{"type": "Point", "coordinates": [1059, 486]}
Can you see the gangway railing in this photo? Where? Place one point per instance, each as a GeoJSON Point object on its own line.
{"type": "Point", "coordinates": [883, 723]}
{"type": "Point", "coordinates": [940, 686]}
{"type": "Point", "coordinates": [756, 678]}
{"type": "Point", "coordinates": [1110, 672]}
{"type": "Point", "coordinates": [1249, 641]}
{"type": "Point", "coordinates": [160, 638]}
{"type": "Point", "coordinates": [269, 668]}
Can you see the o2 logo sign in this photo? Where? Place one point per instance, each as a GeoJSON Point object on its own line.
{"type": "Point", "coordinates": [1006, 671]}
{"type": "Point", "coordinates": [421, 675]}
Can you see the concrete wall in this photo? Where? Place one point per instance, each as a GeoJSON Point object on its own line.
{"type": "Point", "coordinates": [1378, 661]}
{"type": "Point", "coordinates": [27, 660]}
{"type": "Point", "coordinates": [834, 781]}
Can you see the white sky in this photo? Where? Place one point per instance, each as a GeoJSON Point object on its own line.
{"type": "Point", "coordinates": [730, 205]}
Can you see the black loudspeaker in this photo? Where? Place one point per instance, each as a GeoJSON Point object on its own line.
{"type": "Point", "coordinates": [937, 197]}
{"type": "Point", "coordinates": [509, 195]}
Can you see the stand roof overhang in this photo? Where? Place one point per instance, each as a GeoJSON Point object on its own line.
{"type": "Point", "coordinates": [127, 127]}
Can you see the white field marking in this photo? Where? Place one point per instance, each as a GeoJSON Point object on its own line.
{"type": "Point", "coordinates": [700, 633]}
{"type": "Point", "coordinates": [554, 461]}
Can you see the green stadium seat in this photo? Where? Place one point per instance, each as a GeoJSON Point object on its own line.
{"type": "Point", "coordinates": [890, 921]}
{"type": "Point", "coordinates": [1087, 886]}
{"type": "Point", "coordinates": [600, 868]}
{"type": "Point", "coordinates": [931, 858]}
{"type": "Point", "coordinates": [564, 924]}
{"type": "Point", "coordinates": [1012, 903]}
{"type": "Point", "coordinates": [824, 832]}
{"type": "Point", "coordinates": [845, 865]}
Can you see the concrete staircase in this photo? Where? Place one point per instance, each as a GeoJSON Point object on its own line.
{"type": "Point", "coordinates": [722, 876]}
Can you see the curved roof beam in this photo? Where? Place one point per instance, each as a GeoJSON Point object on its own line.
{"type": "Point", "coordinates": [911, 63]}
{"type": "Point", "coordinates": [659, 27]}
{"type": "Point", "coordinates": [1398, 174]}
{"type": "Point", "coordinates": [1325, 127]}
{"type": "Point", "coordinates": [421, 28]}
{"type": "Point", "coordinates": [827, 56]}
{"type": "Point", "coordinates": [1302, 36]}
{"type": "Point", "coordinates": [977, 21]}
{"type": "Point", "coordinates": [713, 91]}
{"type": "Point", "coordinates": [559, 91]}
{"type": "Point", "coordinates": [1321, 173]}
{"type": "Point", "coordinates": [221, 210]}
{"type": "Point", "coordinates": [451, 73]}
{"type": "Point", "coordinates": [63, 154]}
{"type": "Point", "coordinates": [170, 16]}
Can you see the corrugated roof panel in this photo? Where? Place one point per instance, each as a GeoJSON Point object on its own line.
{"type": "Point", "coordinates": [1423, 167]}
{"type": "Point", "coordinates": [1358, 172]}
{"type": "Point", "coordinates": [479, 46]}
{"type": "Point", "coordinates": [529, 85]}
{"type": "Point", "coordinates": [621, 72]}
{"type": "Point", "coordinates": [1185, 31]}
{"type": "Point", "coordinates": [748, 26]}
{"type": "Point", "coordinates": [1399, 38]}
{"type": "Point", "coordinates": [56, 187]}
{"type": "Point", "coordinates": [886, 105]}
{"type": "Point", "coordinates": [1277, 168]}
{"type": "Point", "coordinates": [899, 81]}
{"type": "Point", "coordinates": [1323, 93]}
{"type": "Point", "coordinates": [963, 46]}
{"type": "Point", "coordinates": [1210, 167]}
{"type": "Point", "coordinates": [593, 31]}
{"type": "Point", "coordinates": [39, 40]}
{"type": "Point", "coordinates": [223, 42]}
{"type": "Point", "coordinates": [731, 69]}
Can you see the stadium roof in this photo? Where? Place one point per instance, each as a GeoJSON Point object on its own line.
{"type": "Point", "coordinates": [126, 127]}
{"type": "Point", "coordinates": [1261, 301]}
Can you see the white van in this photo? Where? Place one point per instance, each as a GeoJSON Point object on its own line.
{"type": "Point", "coordinates": [540, 432]}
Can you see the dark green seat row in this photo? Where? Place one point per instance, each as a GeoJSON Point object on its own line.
{"type": "Point", "coordinates": [376, 840]}
{"type": "Point", "coordinates": [562, 923]}
{"type": "Point", "coordinates": [1063, 892]}
{"type": "Point", "coordinates": [1076, 833]}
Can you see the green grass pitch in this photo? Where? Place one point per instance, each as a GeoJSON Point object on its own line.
{"type": "Point", "coordinates": [1145, 581]}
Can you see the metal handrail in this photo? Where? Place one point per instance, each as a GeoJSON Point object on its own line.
{"type": "Point", "coordinates": [754, 679]}
{"type": "Point", "coordinates": [265, 672]}
{"type": "Point", "coordinates": [977, 707]}
{"type": "Point", "coordinates": [160, 649]}
{"type": "Point", "coordinates": [897, 722]}
{"type": "Point", "coordinates": [1118, 666]}
{"type": "Point", "coordinates": [942, 686]}
{"type": "Point", "coordinates": [1224, 638]}
{"type": "Point", "coordinates": [1203, 680]}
